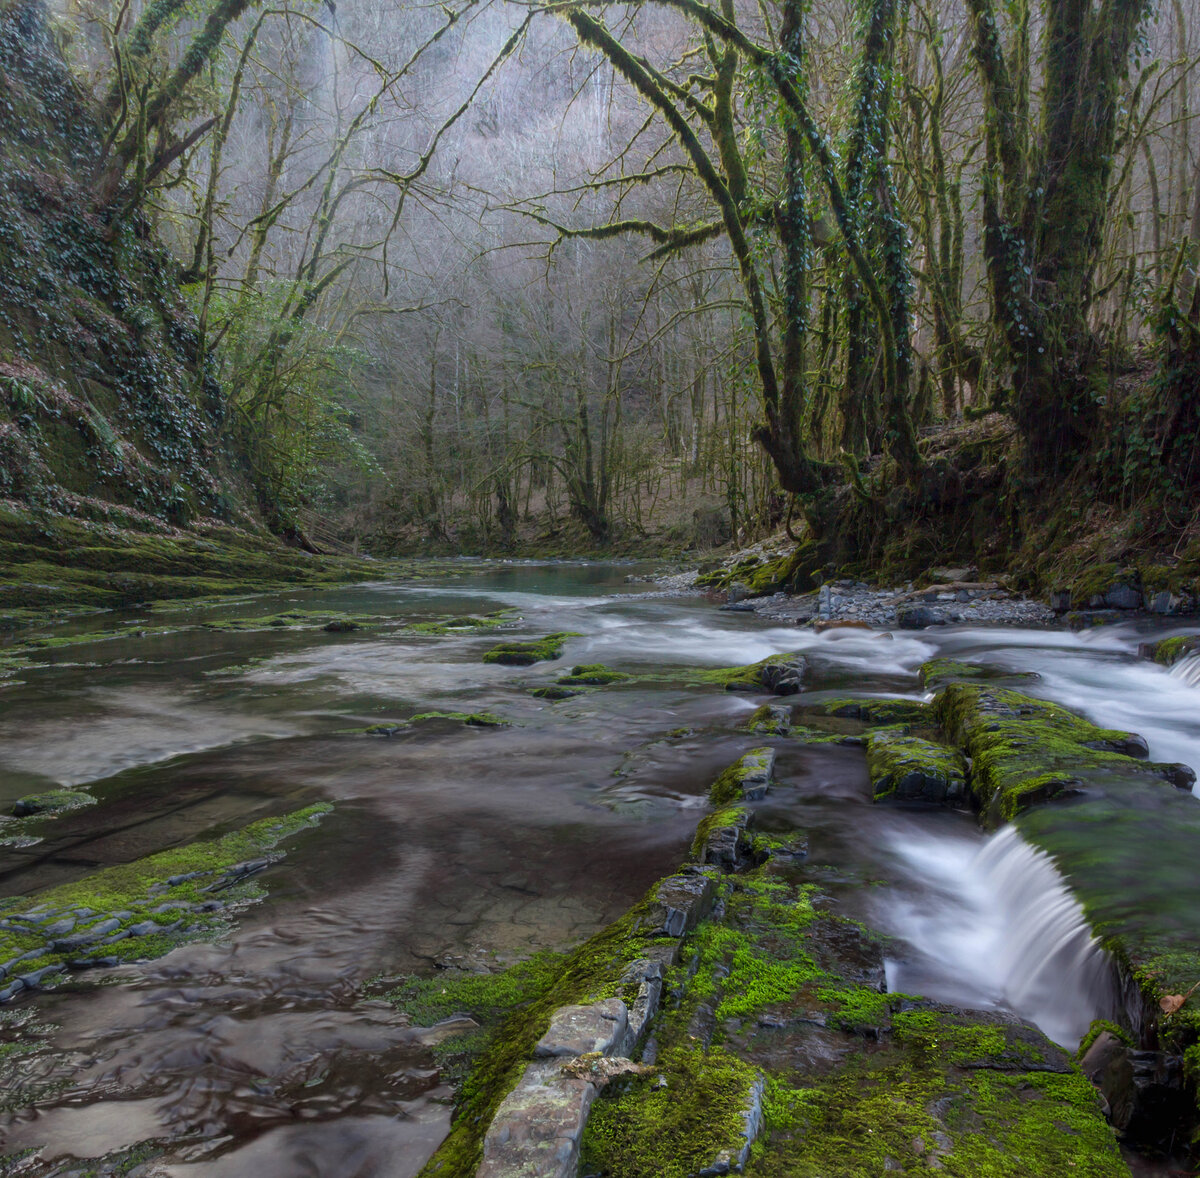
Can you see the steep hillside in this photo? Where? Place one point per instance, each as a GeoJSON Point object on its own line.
{"type": "Point", "coordinates": [115, 485]}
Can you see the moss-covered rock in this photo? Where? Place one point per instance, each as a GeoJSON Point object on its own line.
{"type": "Point", "coordinates": [525, 654]}
{"type": "Point", "coordinates": [137, 910]}
{"type": "Point", "coordinates": [1127, 842]}
{"type": "Point", "coordinates": [1172, 650]}
{"type": "Point", "coordinates": [907, 768]}
{"type": "Point", "coordinates": [790, 572]}
{"type": "Point", "coordinates": [747, 779]}
{"type": "Point", "coordinates": [769, 720]}
{"type": "Point", "coordinates": [874, 711]}
{"type": "Point", "coordinates": [554, 693]}
{"type": "Point", "coordinates": [780, 674]}
{"type": "Point", "coordinates": [55, 801]}
{"type": "Point", "coordinates": [592, 675]}
{"type": "Point", "coordinates": [938, 673]}
{"type": "Point", "coordinates": [858, 1082]}
{"type": "Point", "coordinates": [1026, 751]}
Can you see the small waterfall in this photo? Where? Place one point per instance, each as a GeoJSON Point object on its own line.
{"type": "Point", "coordinates": [999, 928]}
{"type": "Point", "coordinates": [1187, 670]}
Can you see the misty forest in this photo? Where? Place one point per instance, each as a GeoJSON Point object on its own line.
{"type": "Point", "coordinates": [599, 590]}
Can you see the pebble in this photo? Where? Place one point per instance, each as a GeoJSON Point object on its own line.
{"type": "Point", "coordinates": [888, 609]}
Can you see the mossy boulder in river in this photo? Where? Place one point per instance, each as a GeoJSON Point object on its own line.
{"type": "Point", "coordinates": [592, 675]}
{"type": "Point", "coordinates": [878, 710]}
{"type": "Point", "coordinates": [909, 769]}
{"type": "Point", "coordinates": [779, 674]}
{"type": "Point", "coordinates": [747, 779]}
{"type": "Point", "coordinates": [1025, 751]}
{"type": "Point", "coordinates": [525, 654]}
{"type": "Point", "coordinates": [769, 720]}
{"type": "Point", "coordinates": [55, 801]}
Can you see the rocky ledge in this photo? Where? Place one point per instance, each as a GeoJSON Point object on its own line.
{"type": "Point", "coordinates": [735, 1019]}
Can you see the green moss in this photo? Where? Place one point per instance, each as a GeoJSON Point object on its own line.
{"type": "Point", "coordinates": [718, 820]}
{"type": "Point", "coordinates": [878, 711]}
{"type": "Point", "coordinates": [789, 573]}
{"type": "Point", "coordinates": [459, 624]}
{"type": "Point", "coordinates": [1170, 650]}
{"type": "Point", "coordinates": [747, 678]}
{"type": "Point", "coordinates": [673, 1123]}
{"type": "Point", "coordinates": [1099, 1027]}
{"type": "Point", "coordinates": [752, 767]}
{"type": "Point", "coordinates": [905, 1110]}
{"type": "Point", "coordinates": [470, 719]}
{"type": "Point", "coordinates": [937, 673]}
{"type": "Point", "coordinates": [591, 971]}
{"type": "Point", "coordinates": [592, 675]}
{"type": "Point", "coordinates": [1095, 582]}
{"type": "Point", "coordinates": [907, 767]}
{"type": "Point", "coordinates": [769, 720]}
{"type": "Point", "coordinates": [55, 801]}
{"type": "Point", "coordinates": [1025, 751]}
{"type": "Point", "coordinates": [553, 693]}
{"type": "Point", "coordinates": [525, 654]}
{"type": "Point", "coordinates": [165, 890]}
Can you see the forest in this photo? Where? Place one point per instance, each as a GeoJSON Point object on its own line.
{"type": "Point", "coordinates": [491, 277]}
{"type": "Point", "coordinates": [599, 589]}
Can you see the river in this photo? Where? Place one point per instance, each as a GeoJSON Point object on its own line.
{"type": "Point", "coordinates": [264, 1055]}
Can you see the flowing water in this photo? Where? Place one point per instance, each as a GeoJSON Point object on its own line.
{"type": "Point", "coordinates": [262, 1055]}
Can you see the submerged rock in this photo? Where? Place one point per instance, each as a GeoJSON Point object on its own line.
{"type": "Point", "coordinates": [55, 801]}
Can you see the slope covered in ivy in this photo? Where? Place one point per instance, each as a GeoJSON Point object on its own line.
{"type": "Point", "coordinates": [107, 413]}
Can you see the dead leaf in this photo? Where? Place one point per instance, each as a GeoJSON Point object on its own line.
{"type": "Point", "coordinates": [1170, 1003]}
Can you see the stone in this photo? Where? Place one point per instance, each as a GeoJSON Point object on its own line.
{"type": "Point", "coordinates": [538, 1127]}
{"type": "Point", "coordinates": [578, 1030]}
{"type": "Point", "coordinates": [36, 976]}
{"type": "Point", "coordinates": [1177, 774]}
{"type": "Point", "coordinates": [340, 627]}
{"type": "Point", "coordinates": [1107, 1064]}
{"type": "Point", "coordinates": [724, 846]}
{"type": "Point", "coordinates": [738, 592]}
{"type": "Point", "coordinates": [1122, 596]}
{"type": "Point", "coordinates": [1128, 744]}
{"type": "Point", "coordinates": [918, 617]}
{"type": "Point", "coordinates": [734, 1158]}
{"type": "Point", "coordinates": [757, 769]}
{"type": "Point", "coordinates": [681, 902]}
{"type": "Point", "coordinates": [648, 976]}
{"type": "Point", "coordinates": [738, 607]}
{"type": "Point", "coordinates": [784, 675]}
{"type": "Point", "coordinates": [907, 768]}
{"type": "Point", "coordinates": [55, 801]}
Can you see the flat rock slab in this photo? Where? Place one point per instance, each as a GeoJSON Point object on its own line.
{"type": "Point", "coordinates": [578, 1030]}
{"type": "Point", "coordinates": [538, 1126]}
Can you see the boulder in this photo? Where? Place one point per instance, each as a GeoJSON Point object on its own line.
{"type": "Point", "coordinates": [907, 768]}
{"type": "Point", "coordinates": [918, 617]}
{"type": "Point", "coordinates": [784, 674]}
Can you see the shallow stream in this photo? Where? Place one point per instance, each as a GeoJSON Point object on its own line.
{"type": "Point", "coordinates": [259, 1056]}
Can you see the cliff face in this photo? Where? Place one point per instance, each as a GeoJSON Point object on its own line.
{"type": "Point", "coordinates": [106, 412]}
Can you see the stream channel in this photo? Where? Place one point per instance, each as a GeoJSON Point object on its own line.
{"type": "Point", "coordinates": [265, 1055]}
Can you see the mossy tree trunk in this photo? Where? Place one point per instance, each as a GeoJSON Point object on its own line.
{"type": "Point", "coordinates": [1045, 203]}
